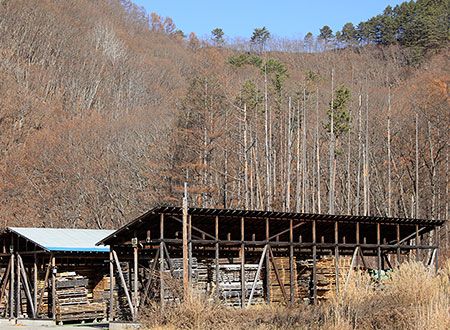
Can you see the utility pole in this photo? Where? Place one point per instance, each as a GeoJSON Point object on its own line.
{"type": "Point", "coordinates": [417, 167]}
{"type": "Point", "coordinates": [389, 154]}
{"type": "Point", "coordinates": [332, 146]}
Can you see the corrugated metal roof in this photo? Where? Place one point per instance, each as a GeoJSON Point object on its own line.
{"type": "Point", "coordinates": [64, 240]}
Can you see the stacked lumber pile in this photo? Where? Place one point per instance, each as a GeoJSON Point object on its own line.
{"type": "Point", "coordinates": [230, 283]}
{"type": "Point", "coordinates": [203, 281]}
{"type": "Point", "coordinates": [173, 278]}
{"type": "Point", "coordinates": [44, 308]}
{"type": "Point", "coordinates": [72, 302]}
{"type": "Point", "coordinates": [100, 293]}
{"type": "Point", "coordinates": [276, 293]}
{"type": "Point", "coordinates": [326, 276]}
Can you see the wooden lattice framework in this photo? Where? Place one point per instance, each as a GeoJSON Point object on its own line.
{"type": "Point", "coordinates": [167, 232]}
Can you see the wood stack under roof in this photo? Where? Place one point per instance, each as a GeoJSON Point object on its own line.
{"type": "Point", "coordinates": [72, 302]}
{"type": "Point", "coordinates": [283, 268]}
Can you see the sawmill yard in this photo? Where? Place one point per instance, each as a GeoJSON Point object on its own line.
{"type": "Point", "coordinates": [414, 298]}
{"type": "Point", "coordinates": [286, 174]}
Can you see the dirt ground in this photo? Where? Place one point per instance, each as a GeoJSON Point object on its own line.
{"type": "Point", "coordinates": [55, 327]}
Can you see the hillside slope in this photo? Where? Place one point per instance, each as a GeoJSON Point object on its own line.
{"type": "Point", "coordinates": [102, 115]}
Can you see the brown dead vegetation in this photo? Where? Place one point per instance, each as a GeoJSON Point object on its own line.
{"type": "Point", "coordinates": [414, 298]}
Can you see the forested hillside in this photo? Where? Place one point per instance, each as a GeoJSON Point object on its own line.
{"type": "Point", "coordinates": [106, 111]}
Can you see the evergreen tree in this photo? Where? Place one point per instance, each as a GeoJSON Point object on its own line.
{"type": "Point", "coordinates": [340, 112]}
{"type": "Point", "coordinates": [348, 34]}
{"type": "Point", "coordinates": [308, 41]}
{"type": "Point", "coordinates": [260, 37]}
{"type": "Point", "coordinates": [217, 36]}
{"type": "Point", "coordinates": [249, 95]}
{"type": "Point", "coordinates": [326, 34]}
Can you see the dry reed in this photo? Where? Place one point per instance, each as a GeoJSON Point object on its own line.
{"type": "Point", "coordinates": [413, 298]}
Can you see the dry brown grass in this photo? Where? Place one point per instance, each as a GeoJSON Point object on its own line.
{"type": "Point", "coordinates": [414, 298]}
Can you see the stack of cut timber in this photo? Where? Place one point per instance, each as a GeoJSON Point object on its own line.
{"type": "Point", "coordinates": [72, 301]}
{"type": "Point", "coordinates": [326, 276]}
{"type": "Point", "coordinates": [100, 292]}
{"type": "Point", "coordinates": [44, 308]}
{"type": "Point", "coordinates": [121, 307]}
{"type": "Point", "coordinates": [202, 281]}
{"type": "Point", "coordinates": [276, 293]}
{"type": "Point", "coordinates": [230, 283]}
{"type": "Point", "coordinates": [177, 268]}
{"type": "Point", "coordinates": [304, 279]}
{"type": "Point", "coordinates": [173, 278]}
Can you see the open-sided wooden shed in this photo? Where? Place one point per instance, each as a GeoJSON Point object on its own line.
{"type": "Point", "coordinates": [245, 257]}
{"type": "Point", "coordinates": [52, 273]}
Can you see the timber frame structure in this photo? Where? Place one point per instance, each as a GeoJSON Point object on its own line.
{"type": "Point", "coordinates": [31, 259]}
{"type": "Point", "coordinates": [260, 237]}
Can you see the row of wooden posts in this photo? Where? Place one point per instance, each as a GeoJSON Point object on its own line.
{"type": "Point", "coordinates": [267, 257]}
{"type": "Point", "coordinates": [16, 276]}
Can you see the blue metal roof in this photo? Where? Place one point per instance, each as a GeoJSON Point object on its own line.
{"type": "Point", "coordinates": [64, 240]}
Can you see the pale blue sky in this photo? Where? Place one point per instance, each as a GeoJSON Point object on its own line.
{"type": "Point", "coordinates": [283, 18]}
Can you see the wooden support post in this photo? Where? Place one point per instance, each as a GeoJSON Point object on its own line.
{"type": "Point", "coordinates": [258, 271]}
{"type": "Point", "coordinates": [25, 285]}
{"type": "Point", "coordinates": [167, 256]}
{"type": "Point", "coordinates": [161, 262]}
{"type": "Point", "coordinates": [124, 284]}
{"type": "Point", "coordinates": [386, 259]}
{"type": "Point", "coordinates": [379, 250]}
{"type": "Point", "coordinates": [314, 255]}
{"type": "Point", "coordinates": [47, 275]}
{"type": "Point", "coordinates": [417, 244]}
{"type": "Point", "coordinates": [291, 263]}
{"type": "Point", "coordinates": [267, 266]}
{"type": "Point", "coordinates": [35, 283]}
{"type": "Point", "coordinates": [149, 282]}
{"type": "Point", "coordinates": [398, 244]}
{"type": "Point", "coordinates": [352, 264]}
{"type": "Point", "coordinates": [111, 286]}
{"type": "Point", "coordinates": [18, 298]}
{"type": "Point", "coordinates": [5, 280]}
{"type": "Point", "coordinates": [54, 270]}
{"type": "Point", "coordinates": [11, 288]}
{"type": "Point", "coordinates": [190, 249]}
{"type": "Point", "coordinates": [437, 242]}
{"type": "Point", "coordinates": [135, 279]}
{"type": "Point", "coordinates": [357, 238]}
{"type": "Point", "coordinates": [185, 246]}
{"type": "Point", "coordinates": [434, 256]}
{"type": "Point", "coordinates": [336, 255]}
{"type": "Point", "coordinates": [361, 254]}
{"type": "Point", "coordinates": [242, 252]}
{"type": "Point", "coordinates": [430, 261]}
{"type": "Point", "coordinates": [277, 275]}
{"type": "Point", "coordinates": [216, 256]}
